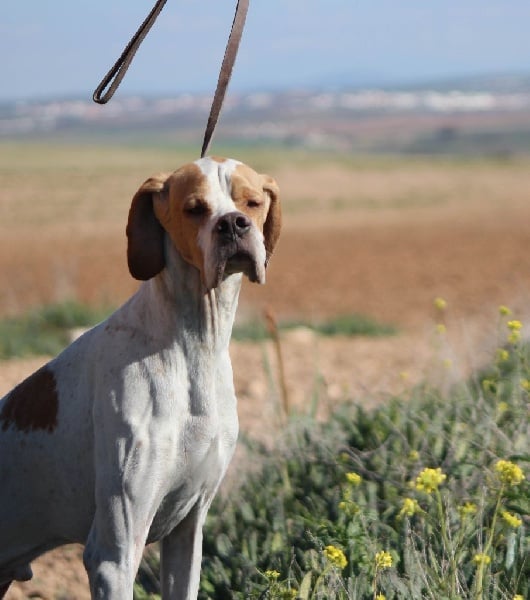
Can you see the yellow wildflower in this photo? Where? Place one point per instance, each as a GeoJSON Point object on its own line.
{"type": "Point", "coordinates": [440, 304]}
{"type": "Point", "coordinates": [508, 472]}
{"type": "Point", "coordinates": [414, 455]}
{"type": "Point", "coordinates": [348, 507]}
{"type": "Point", "coordinates": [409, 508]}
{"type": "Point", "coordinates": [271, 574]}
{"type": "Point", "coordinates": [380, 597]}
{"type": "Point", "coordinates": [512, 520]}
{"type": "Point", "coordinates": [502, 406]}
{"type": "Point", "coordinates": [441, 329]}
{"type": "Point", "coordinates": [353, 478]}
{"type": "Point", "coordinates": [429, 480]}
{"type": "Point", "coordinates": [489, 385]}
{"type": "Point", "coordinates": [468, 508]}
{"type": "Point", "coordinates": [481, 559]}
{"type": "Point", "coordinates": [383, 560]}
{"type": "Point", "coordinates": [335, 556]}
{"type": "Point", "coordinates": [344, 457]}
{"type": "Point", "coordinates": [504, 311]}
{"type": "Point", "coordinates": [525, 384]}
{"type": "Point", "coordinates": [515, 331]}
{"type": "Point", "coordinates": [502, 355]}
{"type": "Point", "coordinates": [518, 597]}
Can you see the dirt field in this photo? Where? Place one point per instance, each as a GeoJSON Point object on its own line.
{"type": "Point", "coordinates": [380, 237]}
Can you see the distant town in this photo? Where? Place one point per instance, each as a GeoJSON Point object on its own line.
{"type": "Point", "coordinates": [347, 119]}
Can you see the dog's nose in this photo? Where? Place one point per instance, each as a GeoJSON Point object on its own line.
{"type": "Point", "coordinates": [232, 226]}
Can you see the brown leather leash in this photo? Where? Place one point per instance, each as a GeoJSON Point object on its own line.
{"type": "Point", "coordinates": [115, 75]}
{"type": "Point", "coordinates": [118, 70]}
{"type": "Point", "coordinates": [225, 73]}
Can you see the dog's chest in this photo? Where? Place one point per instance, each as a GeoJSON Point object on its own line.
{"type": "Point", "coordinates": [195, 472]}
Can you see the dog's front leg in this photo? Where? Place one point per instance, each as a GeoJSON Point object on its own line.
{"type": "Point", "coordinates": [124, 491]}
{"type": "Point", "coordinates": [181, 553]}
{"type": "Point", "coordinates": [114, 549]}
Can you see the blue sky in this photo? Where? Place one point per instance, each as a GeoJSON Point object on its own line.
{"type": "Point", "coordinates": [62, 47]}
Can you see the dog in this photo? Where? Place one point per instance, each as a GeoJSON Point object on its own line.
{"type": "Point", "coordinates": [124, 438]}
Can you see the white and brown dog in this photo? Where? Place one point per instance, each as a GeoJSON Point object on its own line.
{"type": "Point", "coordinates": [124, 438]}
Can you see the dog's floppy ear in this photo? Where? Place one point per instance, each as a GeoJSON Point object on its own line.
{"type": "Point", "coordinates": [273, 222]}
{"type": "Point", "coordinates": [145, 235]}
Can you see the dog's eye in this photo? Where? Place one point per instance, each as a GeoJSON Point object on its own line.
{"type": "Point", "coordinates": [196, 208]}
{"type": "Point", "coordinates": [253, 203]}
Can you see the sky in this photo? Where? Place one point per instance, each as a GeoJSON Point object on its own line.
{"type": "Point", "coordinates": [58, 48]}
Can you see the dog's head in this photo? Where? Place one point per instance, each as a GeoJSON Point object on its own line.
{"type": "Point", "coordinates": [221, 216]}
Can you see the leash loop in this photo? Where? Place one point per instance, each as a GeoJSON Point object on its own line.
{"type": "Point", "coordinates": [113, 78]}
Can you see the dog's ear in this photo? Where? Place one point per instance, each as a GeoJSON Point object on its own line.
{"type": "Point", "coordinates": [145, 235]}
{"type": "Point", "coordinates": [273, 222]}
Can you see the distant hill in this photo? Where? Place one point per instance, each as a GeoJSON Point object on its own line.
{"type": "Point", "coordinates": [477, 114]}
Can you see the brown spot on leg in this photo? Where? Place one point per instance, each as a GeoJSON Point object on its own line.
{"type": "Point", "coordinates": [33, 404]}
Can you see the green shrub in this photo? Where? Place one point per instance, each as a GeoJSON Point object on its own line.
{"type": "Point", "coordinates": [45, 331]}
{"type": "Point", "coordinates": [416, 479]}
{"type": "Point", "coordinates": [425, 497]}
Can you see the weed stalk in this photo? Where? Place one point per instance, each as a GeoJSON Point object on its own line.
{"type": "Point", "coordinates": [272, 326]}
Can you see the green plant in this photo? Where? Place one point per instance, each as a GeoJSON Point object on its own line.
{"type": "Point", "coordinates": [45, 330]}
{"type": "Point", "coordinates": [426, 497]}
{"type": "Point", "coordinates": [302, 501]}
{"type": "Point", "coordinates": [347, 325]}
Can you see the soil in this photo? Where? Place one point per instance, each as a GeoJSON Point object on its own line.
{"type": "Point", "coordinates": [388, 263]}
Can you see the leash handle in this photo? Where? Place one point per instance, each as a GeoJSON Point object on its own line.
{"type": "Point", "coordinates": [225, 72]}
{"type": "Point", "coordinates": [113, 78]}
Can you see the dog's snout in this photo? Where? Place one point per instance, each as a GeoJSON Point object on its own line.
{"type": "Point", "coordinates": [232, 226]}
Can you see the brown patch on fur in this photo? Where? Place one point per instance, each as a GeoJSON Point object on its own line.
{"type": "Point", "coordinates": [187, 190]}
{"type": "Point", "coordinates": [246, 185]}
{"type": "Point", "coordinates": [219, 159]}
{"type": "Point", "coordinates": [33, 404]}
{"type": "Point", "coordinates": [273, 223]}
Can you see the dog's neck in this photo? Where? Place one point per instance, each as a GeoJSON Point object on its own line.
{"type": "Point", "coordinates": [189, 330]}
{"type": "Point", "coordinates": [198, 315]}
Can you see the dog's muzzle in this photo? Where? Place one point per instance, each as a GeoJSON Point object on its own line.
{"type": "Point", "coordinates": [239, 247]}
